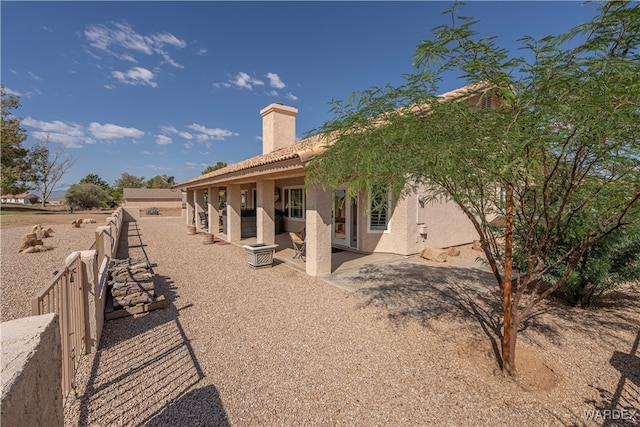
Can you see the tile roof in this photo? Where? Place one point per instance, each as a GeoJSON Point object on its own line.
{"type": "Point", "coordinates": [309, 147]}
{"type": "Point", "coordinates": [18, 196]}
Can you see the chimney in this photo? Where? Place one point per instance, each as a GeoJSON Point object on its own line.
{"type": "Point", "coordinates": [278, 127]}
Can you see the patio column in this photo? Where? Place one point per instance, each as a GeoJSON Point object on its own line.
{"type": "Point", "coordinates": [190, 206]}
{"type": "Point", "coordinates": [234, 205]}
{"type": "Point", "coordinates": [318, 231]}
{"type": "Point", "coordinates": [199, 201]}
{"type": "Point", "coordinates": [265, 211]}
{"type": "Point", "coordinates": [212, 209]}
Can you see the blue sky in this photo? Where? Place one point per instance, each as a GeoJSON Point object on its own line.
{"type": "Point", "coordinates": [153, 88]}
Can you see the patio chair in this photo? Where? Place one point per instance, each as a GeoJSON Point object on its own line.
{"type": "Point", "coordinates": [298, 241]}
{"type": "Point", "coordinates": [204, 219]}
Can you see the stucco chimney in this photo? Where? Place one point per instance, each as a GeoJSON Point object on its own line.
{"type": "Point", "coordinates": [278, 127]}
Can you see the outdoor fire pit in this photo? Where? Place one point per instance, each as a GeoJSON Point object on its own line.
{"type": "Point", "coordinates": [260, 254]}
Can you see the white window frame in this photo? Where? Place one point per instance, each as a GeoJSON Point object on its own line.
{"type": "Point", "coordinates": [370, 212]}
{"type": "Point", "coordinates": [286, 197]}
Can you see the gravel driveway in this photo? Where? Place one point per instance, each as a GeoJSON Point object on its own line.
{"type": "Point", "coordinates": [237, 346]}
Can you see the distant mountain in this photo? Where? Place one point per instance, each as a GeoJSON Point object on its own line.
{"type": "Point", "coordinates": [58, 194]}
{"type": "Point", "coordinates": [55, 194]}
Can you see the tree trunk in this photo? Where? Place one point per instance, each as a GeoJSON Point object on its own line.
{"type": "Point", "coordinates": [509, 329]}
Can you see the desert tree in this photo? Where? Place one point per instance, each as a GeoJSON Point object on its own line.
{"type": "Point", "coordinates": [48, 162]}
{"type": "Point", "coordinates": [545, 140]}
{"type": "Point", "coordinates": [86, 195]}
{"type": "Point", "coordinates": [95, 179]}
{"type": "Point", "coordinates": [14, 166]}
{"type": "Point", "coordinates": [126, 180]}
{"type": "Point", "coordinates": [160, 181]}
{"type": "Point", "coordinates": [211, 168]}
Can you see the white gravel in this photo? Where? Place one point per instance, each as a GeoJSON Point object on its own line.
{"type": "Point", "coordinates": [245, 347]}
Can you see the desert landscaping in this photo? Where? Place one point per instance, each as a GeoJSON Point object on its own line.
{"type": "Point", "coordinates": [236, 346]}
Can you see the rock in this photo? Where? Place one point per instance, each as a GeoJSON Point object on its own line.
{"type": "Point", "coordinates": [434, 254]}
{"type": "Point", "coordinates": [453, 251]}
{"type": "Point", "coordinates": [476, 246]}
{"type": "Point", "coordinates": [28, 241]}
{"type": "Point", "coordinates": [37, 248]}
{"type": "Point", "coordinates": [42, 233]}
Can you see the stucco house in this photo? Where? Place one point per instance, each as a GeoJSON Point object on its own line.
{"type": "Point", "coordinates": [145, 198]}
{"type": "Point", "coordinates": [274, 181]}
{"type": "Point", "coordinates": [22, 198]}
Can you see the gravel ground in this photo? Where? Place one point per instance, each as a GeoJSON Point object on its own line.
{"type": "Point", "coordinates": [23, 275]}
{"type": "Point", "coordinates": [276, 347]}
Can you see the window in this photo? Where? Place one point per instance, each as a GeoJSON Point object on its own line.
{"type": "Point", "coordinates": [294, 202]}
{"type": "Point", "coordinates": [378, 209]}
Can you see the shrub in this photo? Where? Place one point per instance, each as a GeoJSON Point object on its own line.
{"type": "Point", "coordinates": [605, 266]}
{"type": "Point", "coordinates": [87, 196]}
{"type": "Point", "coordinates": [153, 211]}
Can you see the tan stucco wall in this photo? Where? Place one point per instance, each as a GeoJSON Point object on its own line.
{"type": "Point", "coordinates": [160, 204]}
{"type": "Point", "coordinates": [31, 372]}
{"type": "Point", "coordinates": [444, 222]}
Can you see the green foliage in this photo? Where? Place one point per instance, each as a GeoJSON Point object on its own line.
{"type": "Point", "coordinates": [13, 156]}
{"type": "Point", "coordinates": [218, 165]}
{"type": "Point", "coordinates": [160, 181]}
{"type": "Point", "coordinates": [87, 196]}
{"type": "Point", "coordinates": [127, 180]}
{"type": "Point", "coordinates": [93, 178]}
{"type": "Point", "coordinates": [603, 267]}
{"type": "Point", "coordinates": [153, 211]}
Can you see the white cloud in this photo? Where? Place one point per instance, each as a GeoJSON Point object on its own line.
{"type": "Point", "coordinates": [221, 84]}
{"type": "Point", "coordinates": [70, 135]}
{"type": "Point", "coordinates": [111, 131]}
{"type": "Point", "coordinates": [274, 81]}
{"type": "Point", "coordinates": [272, 93]}
{"type": "Point", "coordinates": [291, 97]}
{"type": "Point", "coordinates": [188, 144]}
{"type": "Point", "coordinates": [34, 77]}
{"type": "Point", "coordinates": [245, 81]}
{"type": "Point", "coordinates": [163, 140]}
{"type": "Point", "coordinates": [59, 138]}
{"type": "Point", "coordinates": [207, 134]}
{"type": "Point", "coordinates": [128, 58]}
{"type": "Point", "coordinates": [158, 168]}
{"type": "Point", "coordinates": [202, 51]}
{"type": "Point", "coordinates": [161, 39]}
{"type": "Point", "coordinates": [56, 126]}
{"type": "Point", "coordinates": [173, 130]}
{"type": "Point", "coordinates": [122, 41]}
{"type": "Point", "coordinates": [136, 76]}
{"type": "Point", "coordinates": [191, 165]}
{"type": "Point", "coordinates": [11, 92]}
